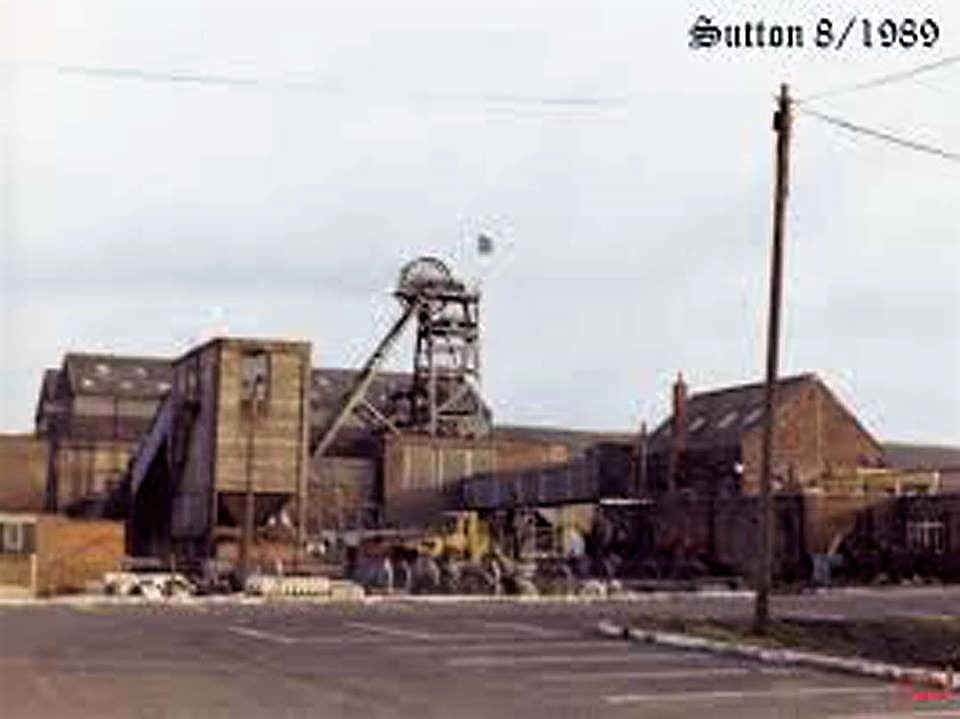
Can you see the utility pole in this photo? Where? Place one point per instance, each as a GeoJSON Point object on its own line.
{"type": "Point", "coordinates": [781, 125]}
{"type": "Point", "coordinates": [249, 506]}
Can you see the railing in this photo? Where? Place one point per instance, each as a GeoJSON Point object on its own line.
{"type": "Point", "coordinates": [152, 442]}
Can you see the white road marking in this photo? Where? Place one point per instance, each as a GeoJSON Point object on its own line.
{"type": "Point", "coordinates": [394, 631]}
{"type": "Point", "coordinates": [920, 712]}
{"type": "Point", "coordinates": [658, 674]}
{"type": "Point", "coordinates": [693, 696]}
{"type": "Point", "coordinates": [261, 635]}
{"type": "Point", "coordinates": [514, 646]}
{"type": "Point", "coordinates": [492, 660]}
{"type": "Point", "coordinates": [523, 628]}
{"type": "Point", "coordinates": [284, 639]}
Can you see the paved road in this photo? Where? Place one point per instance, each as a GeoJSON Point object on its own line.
{"type": "Point", "coordinates": [387, 660]}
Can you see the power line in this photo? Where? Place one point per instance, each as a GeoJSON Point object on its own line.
{"type": "Point", "coordinates": [152, 76]}
{"type": "Point", "coordinates": [883, 80]}
{"type": "Point", "coordinates": [492, 101]}
{"type": "Point", "coordinates": [881, 135]}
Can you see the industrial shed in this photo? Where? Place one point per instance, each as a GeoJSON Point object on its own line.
{"type": "Point", "coordinates": [234, 424]}
{"type": "Point", "coordinates": [92, 411]}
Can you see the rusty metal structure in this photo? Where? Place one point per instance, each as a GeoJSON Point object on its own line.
{"type": "Point", "coordinates": [446, 360]}
{"type": "Point", "coordinates": [442, 399]}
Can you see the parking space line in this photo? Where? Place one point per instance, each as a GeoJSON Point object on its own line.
{"type": "Point", "coordinates": [919, 711]}
{"type": "Point", "coordinates": [514, 646]}
{"type": "Point", "coordinates": [380, 634]}
{"type": "Point", "coordinates": [261, 635]}
{"type": "Point", "coordinates": [493, 660]}
{"type": "Point", "coordinates": [692, 673]}
{"type": "Point", "coordinates": [524, 628]}
{"type": "Point", "coordinates": [277, 638]}
{"type": "Point", "coordinates": [394, 631]}
{"type": "Point", "coordinates": [779, 692]}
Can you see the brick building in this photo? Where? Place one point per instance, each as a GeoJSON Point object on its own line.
{"type": "Point", "coordinates": [45, 554]}
{"type": "Point", "coordinates": [23, 472]}
{"type": "Point", "coordinates": [712, 442]}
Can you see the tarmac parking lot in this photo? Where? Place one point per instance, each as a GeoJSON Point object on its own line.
{"type": "Point", "coordinates": [390, 660]}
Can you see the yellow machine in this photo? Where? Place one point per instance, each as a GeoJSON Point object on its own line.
{"type": "Point", "coordinates": [458, 534]}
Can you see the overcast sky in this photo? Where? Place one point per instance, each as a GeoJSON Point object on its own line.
{"type": "Point", "coordinates": [266, 166]}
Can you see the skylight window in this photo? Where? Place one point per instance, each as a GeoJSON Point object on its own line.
{"type": "Point", "coordinates": [163, 386]}
{"type": "Point", "coordinates": [87, 383]}
{"type": "Point", "coordinates": [141, 372]}
{"type": "Point", "coordinates": [103, 369]}
{"type": "Point", "coordinates": [126, 385]}
{"type": "Point", "coordinates": [697, 423]}
{"type": "Point", "coordinates": [755, 414]}
{"type": "Point", "coordinates": [727, 419]}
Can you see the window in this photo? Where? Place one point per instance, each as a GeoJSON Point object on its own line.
{"type": "Point", "coordinates": [16, 538]}
{"type": "Point", "coordinates": [696, 424]}
{"type": "Point", "coordinates": [727, 419]}
{"type": "Point", "coordinates": [12, 538]}
{"type": "Point", "coordinates": [192, 389]}
{"type": "Point", "coordinates": [255, 379]}
{"type": "Point", "coordinates": [926, 534]}
{"type": "Point", "coordinates": [755, 414]}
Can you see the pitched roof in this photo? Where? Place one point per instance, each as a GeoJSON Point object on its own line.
{"type": "Point", "coordinates": [118, 375]}
{"type": "Point", "coordinates": [903, 455]}
{"type": "Point", "coordinates": [577, 440]}
{"type": "Point", "coordinates": [48, 392]}
{"type": "Point", "coordinates": [718, 418]}
{"type": "Point", "coordinates": [330, 386]}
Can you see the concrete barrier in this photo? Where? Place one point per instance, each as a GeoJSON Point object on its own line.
{"type": "Point", "coordinates": [292, 586]}
{"type": "Point", "coordinates": [786, 657]}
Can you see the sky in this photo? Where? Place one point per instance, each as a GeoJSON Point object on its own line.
{"type": "Point", "coordinates": [173, 170]}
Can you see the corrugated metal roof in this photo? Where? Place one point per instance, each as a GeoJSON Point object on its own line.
{"type": "Point", "coordinates": [330, 386]}
{"type": "Point", "coordinates": [117, 375]}
{"type": "Point", "coordinates": [904, 455]}
{"type": "Point", "coordinates": [48, 392]}
{"type": "Point", "coordinates": [577, 440]}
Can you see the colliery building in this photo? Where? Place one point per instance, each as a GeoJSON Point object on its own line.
{"type": "Point", "coordinates": [197, 452]}
{"type": "Point", "coordinates": [233, 428]}
{"type": "Point", "coordinates": [711, 443]}
{"type": "Point", "coordinates": [171, 445]}
{"type": "Point", "coordinates": [190, 419]}
{"type": "Point", "coordinates": [92, 411]}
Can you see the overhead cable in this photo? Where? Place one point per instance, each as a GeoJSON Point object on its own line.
{"type": "Point", "coordinates": [881, 135]}
{"type": "Point", "coordinates": [883, 80]}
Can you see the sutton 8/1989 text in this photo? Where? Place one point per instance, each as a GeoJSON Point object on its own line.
{"type": "Point", "coordinates": [826, 33]}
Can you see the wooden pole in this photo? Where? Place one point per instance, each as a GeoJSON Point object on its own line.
{"type": "Point", "coordinates": [781, 125]}
{"type": "Point", "coordinates": [246, 537]}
